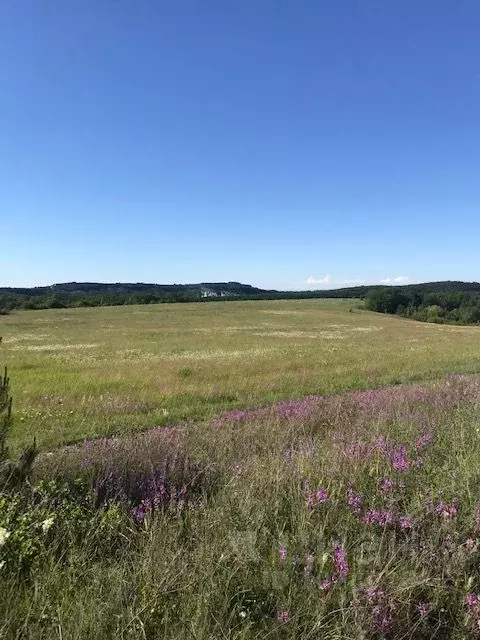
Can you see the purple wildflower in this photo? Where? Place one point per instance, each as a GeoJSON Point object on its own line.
{"type": "Point", "coordinates": [340, 563]}
{"type": "Point", "coordinates": [326, 585]}
{"type": "Point", "coordinates": [237, 416]}
{"type": "Point", "coordinates": [381, 517]}
{"type": "Point", "coordinates": [445, 510]}
{"type": "Point", "coordinates": [321, 495]}
{"type": "Point", "coordinates": [382, 617]}
{"type": "Point", "coordinates": [283, 553]}
{"type": "Point", "coordinates": [386, 486]}
{"type": "Point", "coordinates": [314, 499]}
{"type": "Point", "coordinates": [283, 616]}
{"type": "Point", "coordinates": [373, 594]}
{"type": "Point", "coordinates": [382, 609]}
{"type": "Point", "coordinates": [425, 438]}
{"type": "Point", "coordinates": [355, 501]}
{"type": "Point", "coordinates": [140, 513]}
{"type": "Point", "coordinates": [399, 458]}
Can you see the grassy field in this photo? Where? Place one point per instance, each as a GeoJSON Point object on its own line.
{"type": "Point", "coordinates": [79, 373]}
{"type": "Point", "coordinates": [356, 516]}
{"type": "Point", "coordinates": [320, 512]}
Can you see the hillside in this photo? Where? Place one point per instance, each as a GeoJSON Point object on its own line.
{"type": "Point", "coordinates": [95, 288]}
{"type": "Point", "coordinates": [92, 294]}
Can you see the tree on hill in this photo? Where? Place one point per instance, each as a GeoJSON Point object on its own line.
{"type": "Point", "coordinates": [386, 300]}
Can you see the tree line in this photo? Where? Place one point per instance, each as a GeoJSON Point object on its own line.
{"type": "Point", "coordinates": [450, 302]}
{"type": "Point", "coordinates": [452, 307]}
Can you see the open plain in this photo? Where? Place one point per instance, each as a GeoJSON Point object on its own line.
{"type": "Point", "coordinates": [80, 373]}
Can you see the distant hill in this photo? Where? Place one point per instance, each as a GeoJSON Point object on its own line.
{"type": "Point", "coordinates": [447, 286]}
{"type": "Point", "coordinates": [90, 294]}
{"type": "Point", "coordinates": [93, 294]}
{"type": "Point", "coordinates": [99, 288]}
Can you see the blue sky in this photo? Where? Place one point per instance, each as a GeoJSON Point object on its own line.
{"type": "Point", "coordinates": [284, 143]}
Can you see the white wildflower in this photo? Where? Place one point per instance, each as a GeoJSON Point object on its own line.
{"type": "Point", "coordinates": [4, 535]}
{"type": "Point", "coordinates": [46, 524]}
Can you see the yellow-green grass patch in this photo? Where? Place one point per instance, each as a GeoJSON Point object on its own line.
{"type": "Point", "coordinates": [117, 369]}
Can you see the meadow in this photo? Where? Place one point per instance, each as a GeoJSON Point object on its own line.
{"type": "Point", "coordinates": [81, 373]}
{"type": "Point", "coordinates": [280, 470]}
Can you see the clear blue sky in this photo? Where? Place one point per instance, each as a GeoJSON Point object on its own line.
{"type": "Point", "coordinates": [283, 143]}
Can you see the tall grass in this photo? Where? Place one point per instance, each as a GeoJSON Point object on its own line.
{"type": "Point", "coordinates": [354, 516]}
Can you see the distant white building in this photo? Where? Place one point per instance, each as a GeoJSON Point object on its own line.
{"type": "Point", "coordinates": [208, 293]}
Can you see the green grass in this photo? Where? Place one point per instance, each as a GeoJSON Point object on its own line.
{"type": "Point", "coordinates": [79, 373]}
{"type": "Point", "coordinates": [206, 560]}
{"type": "Point", "coordinates": [218, 571]}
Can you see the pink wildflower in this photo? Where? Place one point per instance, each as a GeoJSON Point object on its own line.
{"type": "Point", "coordinates": [405, 522]}
{"type": "Point", "coordinates": [472, 600]}
{"type": "Point", "coordinates": [283, 616]}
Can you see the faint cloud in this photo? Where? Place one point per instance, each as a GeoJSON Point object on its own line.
{"type": "Point", "coordinates": [318, 280]}
{"type": "Point", "coordinates": [396, 280]}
